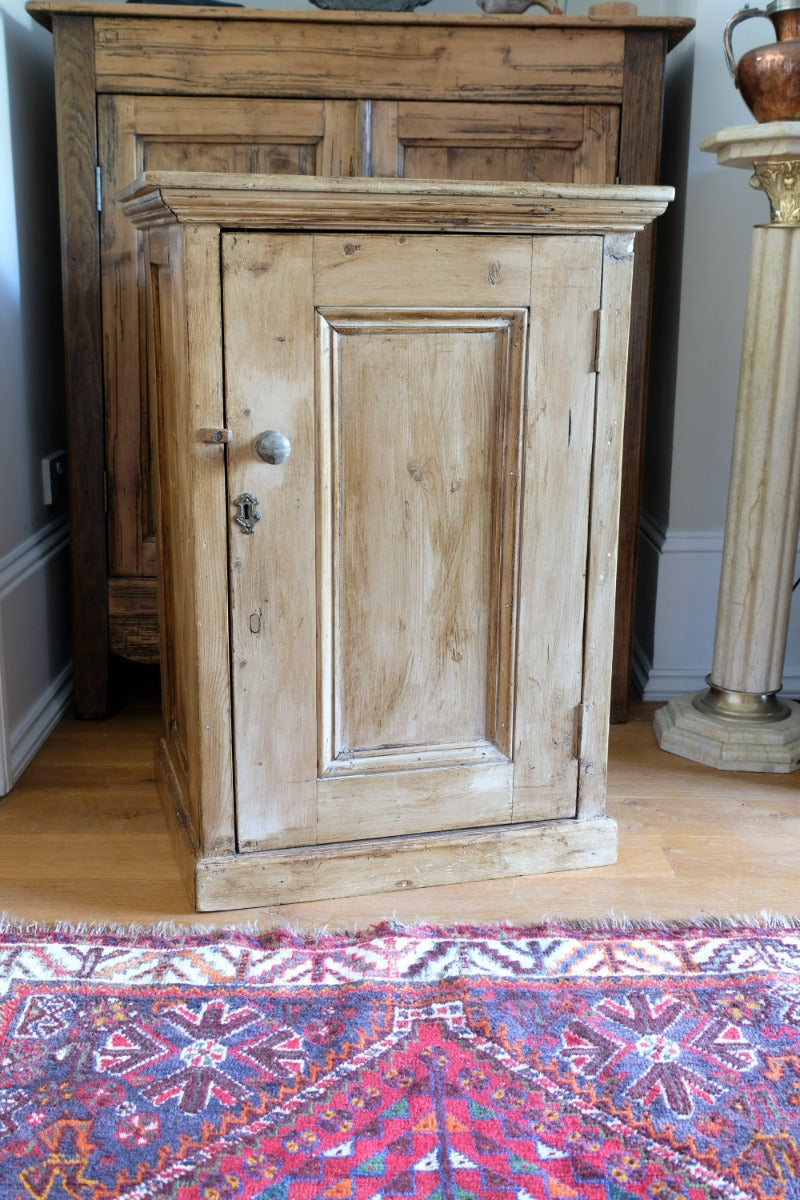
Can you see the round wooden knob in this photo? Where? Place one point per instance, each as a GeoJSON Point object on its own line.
{"type": "Point", "coordinates": [273, 447]}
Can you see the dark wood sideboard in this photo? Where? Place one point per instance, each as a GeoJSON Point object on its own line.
{"type": "Point", "coordinates": [143, 87]}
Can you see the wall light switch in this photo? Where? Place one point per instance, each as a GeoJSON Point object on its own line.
{"type": "Point", "coordinates": [54, 479]}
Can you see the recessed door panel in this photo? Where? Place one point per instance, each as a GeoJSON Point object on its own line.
{"type": "Point", "coordinates": [419, 453]}
{"type": "Point", "coordinates": [563, 143]}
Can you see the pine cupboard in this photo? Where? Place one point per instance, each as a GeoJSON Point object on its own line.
{"type": "Point", "coordinates": [388, 437]}
{"type": "Point", "coordinates": [420, 95]}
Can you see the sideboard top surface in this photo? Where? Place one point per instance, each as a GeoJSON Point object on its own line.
{"type": "Point", "coordinates": [158, 49]}
{"type": "Point", "coordinates": [43, 11]}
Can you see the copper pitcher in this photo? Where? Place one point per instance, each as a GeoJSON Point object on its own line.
{"type": "Point", "coordinates": [769, 76]}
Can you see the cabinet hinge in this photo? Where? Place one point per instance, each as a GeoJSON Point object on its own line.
{"type": "Point", "coordinates": [598, 340]}
{"type": "Point", "coordinates": [98, 188]}
{"type": "Point", "coordinates": [577, 734]}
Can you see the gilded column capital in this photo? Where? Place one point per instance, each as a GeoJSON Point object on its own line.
{"type": "Point", "coordinates": [780, 181]}
{"type": "Point", "coordinates": [772, 151]}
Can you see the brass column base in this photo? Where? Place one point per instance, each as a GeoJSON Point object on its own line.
{"type": "Point", "coordinates": [740, 706]}
{"type": "Point", "coordinates": [732, 731]}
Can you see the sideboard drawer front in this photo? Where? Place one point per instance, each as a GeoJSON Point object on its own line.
{"type": "Point", "coordinates": [369, 58]}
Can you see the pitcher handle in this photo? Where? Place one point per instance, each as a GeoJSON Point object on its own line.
{"type": "Point", "coordinates": [736, 19]}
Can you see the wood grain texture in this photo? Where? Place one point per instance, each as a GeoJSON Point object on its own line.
{"type": "Point", "coordinates": [402, 864]}
{"type": "Point", "coordinates": [133, 619]}
{"type": "Point", "coordinates": [269, 349]}
{"type": "Point", "coordinates": [374, 204]}
{"type": "Point", "coordinates": [558, 512]}
{"type": "Point", "coordinates": [403, 802]}
{"type": "Point", "coordinates": [131, 549]}
{"type": "Point", "coordinates": [535, 142]}
{"type": "Point", "coordinates": [167, 385]}
{"type": "Point", "coordinates": [203, 534]}
{"type": "Point", "coordinates": [421, 467]}
{"type": "Point", "coordinates": [513, 61]}
{"type": "Point", "coordinates": [184, 297]}
{"type": "Point", "coordinates": [80, 276]}
{"type": "Point", "coordinates": [601, 563]}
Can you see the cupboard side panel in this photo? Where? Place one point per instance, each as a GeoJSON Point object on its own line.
{"type": "Point", "coordinates": [168, 384]}
{"type": "Point", "coordinates": [565, 295]}
{"type": "Point", "coordinates": [205, 522]}
{"type": "Point", "coordinates": [605, 501]}
{"type": "Point", "coordinates": [187, 391]}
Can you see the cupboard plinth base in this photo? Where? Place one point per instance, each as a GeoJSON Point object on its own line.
{"type": "Point", "coordinates": [729, 743]}
{"type": "Point", "coordinates": [271, 877]}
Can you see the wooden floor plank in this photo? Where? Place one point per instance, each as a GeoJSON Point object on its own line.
{"type": "Point", "coordinates": [82, 838]}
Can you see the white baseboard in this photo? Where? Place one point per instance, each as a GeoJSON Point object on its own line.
{"type": "Point", "coordinates": [35, 661]}
{"type": "Point", "coordinates": [31, 734]}
{"type": "Point", "coordinates": [679, 574]}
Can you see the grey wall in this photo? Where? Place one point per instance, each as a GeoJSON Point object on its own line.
{"type": "Point", "coordinates": [703, 262]}
{"type": "Point", "coordinates": [34, 642]}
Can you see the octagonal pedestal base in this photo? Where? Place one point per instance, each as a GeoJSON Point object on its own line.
{"type": "Point", "coordinates": [730, 744]}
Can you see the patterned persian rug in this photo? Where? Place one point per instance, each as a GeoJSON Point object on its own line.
{"type": "Point", "coordinates": [502, 1063]}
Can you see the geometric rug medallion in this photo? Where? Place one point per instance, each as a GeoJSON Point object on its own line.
{"type": "Point", "coordinates": [441, 1064]}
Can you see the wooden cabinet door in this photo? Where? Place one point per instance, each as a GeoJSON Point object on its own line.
{"type": "Point", "coordinates": [548, 143]}
{"type": "Point", "coordinates": [407, 612]}
{"type": "Point", "coordinates": [137, 133]}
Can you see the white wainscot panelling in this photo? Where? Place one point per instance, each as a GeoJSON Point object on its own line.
{"type": "Point", "coordinates": [35, 659]}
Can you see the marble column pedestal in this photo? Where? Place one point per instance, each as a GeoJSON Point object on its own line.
{"type": "Point", "coordinates": [739, 722]}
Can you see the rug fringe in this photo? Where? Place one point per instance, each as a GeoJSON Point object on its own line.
{"type": "Point", "coordinates": [175, 932]}
{"type": "Point", "coordinates": [766, 919]}
{"type": "Point", "coordinates": [170, 930]}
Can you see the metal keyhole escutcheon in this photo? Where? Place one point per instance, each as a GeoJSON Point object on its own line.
{"type": "Point", "coordinates": [247, 514]}
{"type": "Point", "coordinates": [273, 447]}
